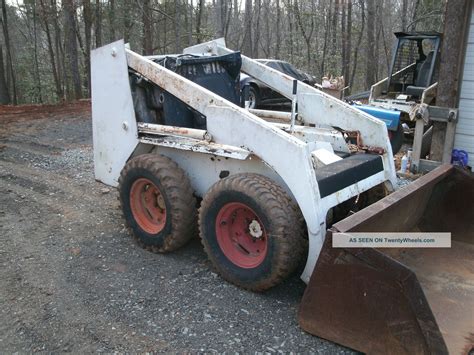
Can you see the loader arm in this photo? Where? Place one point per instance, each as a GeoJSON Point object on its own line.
{"type": "Point", "coordinates": [314, 106]}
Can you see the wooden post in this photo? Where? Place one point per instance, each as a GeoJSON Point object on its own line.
{"type": "Point", "coordinates": [417, 144]}
{"type": "Point", "coordinates": [455, 23]}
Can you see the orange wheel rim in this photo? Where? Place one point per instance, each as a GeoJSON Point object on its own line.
{"type": "Point", "coordinates": [148, 206]}
{"type": "Point", "coordinates": [241, 235]}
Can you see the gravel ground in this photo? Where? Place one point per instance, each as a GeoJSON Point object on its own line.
{"type": "Point", "coordinates": [71, 278]}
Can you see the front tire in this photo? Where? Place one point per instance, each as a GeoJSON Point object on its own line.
{"type": "Point", "coordinates": [157, 203]}
{"type": "Point", "coordinates": [251, 231]}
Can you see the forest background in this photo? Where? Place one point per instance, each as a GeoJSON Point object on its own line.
{"type": "Point", "coordinates": [45, 44]}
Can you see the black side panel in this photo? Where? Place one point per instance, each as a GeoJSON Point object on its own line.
{"type": "Point", "coordinates": [219, 74]}
{"type": "Point", "coordinates": [348, 171]}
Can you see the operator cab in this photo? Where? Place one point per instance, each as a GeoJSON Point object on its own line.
{"type": "Point", "coordinates": [414, 64]}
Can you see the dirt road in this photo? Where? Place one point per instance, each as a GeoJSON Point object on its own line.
{"type": "Point", "coordinates": [71, 278]}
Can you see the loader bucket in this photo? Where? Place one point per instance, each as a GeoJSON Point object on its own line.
{"type": "Point", "coordinates": [400, 300]}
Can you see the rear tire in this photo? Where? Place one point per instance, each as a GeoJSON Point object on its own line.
{"type": "Point", "coordinates": [251, 231]}
{"type": "Point", "coordinates": [157, 203]}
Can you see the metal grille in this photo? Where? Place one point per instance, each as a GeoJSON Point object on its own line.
{"type": "Point", "coordinates": [407, 54]}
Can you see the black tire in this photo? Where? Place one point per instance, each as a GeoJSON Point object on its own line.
{"type": "Point", "coordinates": [396, 139]}
{"type": "Point", "coordinates": [282, 226]}
{"type": "Point", "coordinates": [254, 97]}
{"type": "Point", "coordinates": [175, 192]}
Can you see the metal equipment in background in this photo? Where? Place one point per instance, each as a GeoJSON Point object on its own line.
{"type": "Point", "coordinates": [412, 78]}
{"type": "Point", "coordinates": [411, 83]}
{"type": "Point", "coordinates": [406, 99]}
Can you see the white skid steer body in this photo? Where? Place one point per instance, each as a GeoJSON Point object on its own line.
{"type": "Point", "coordinates": [303, 162]}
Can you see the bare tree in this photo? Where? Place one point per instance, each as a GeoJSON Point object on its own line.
{"type": "Point", "coordinates": [246, 46]}
{"type": "Point", "coordinates": [404, 14]}
{"type": "Point", "coordinates": [71, 46]}
{"type": "Point", "coordinates": [344, 37]}
{"type": "Point", "coordinates": [256, 27]}
{"type": "Point", "coordinates": [58, 47]}
{"type": "Point", "coordinates": [112, 20]}
{"type": "Point", "coordinates": [87, 15]}
{"type": "Point", "coordinates": [177, 27]}
{"type": "Point", "coordinates": [4, 94]}
{"type": "Point", "coordinates": [335, 17]}
{"type": "Point", "coordinates": [147, 28]}
{"type": "Point", "coordinates": [6, 35]}
{"type": "Point", "coordinates": [199, 20]}
{"type": "Point", "coordinates": [278, 29]}
{"type": "Point", "coordinates": [98, 24]}
{"type": "Point", "coordinates": [371, 60]}
{"type": "Point", "coordinates": [457, 18]}
{"type": "Point", "coordinates": [359, 41]}
{"type": "Point", "coordinates": [220, 18]}
{"type": "Point", "coordinates": [327, 17]}
{"type": "Point", "coordinates": [307, 35]}
{"type": "Point", "coordinates": [46, 18]}
{"type": "Point", "coordinates": [348, 37]}
{"type": "Point", "coordinates": [348, 42]}
{"type": "Point", "coordinates": [34, 35]}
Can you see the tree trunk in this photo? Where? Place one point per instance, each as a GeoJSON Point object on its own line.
{"type": "Point", "coordinates": [370, 73]}
{"type": "Point", "coordinates": [278, 31]}
{"type": "Point", "coordinates": [10, 73]}
{"type": "Point", "coordinates": [455, 25]}
{"type": "Point", "coordinates": [127, 21]}
{"type": "Point", "coordinates": [306, 35]}
{"type": "Point", "coordinates": [228, 18]}
{"type": "Point", "coordinates": [219, 9]}
{"type": "Point", "coordinates": [256, 28]}
{"type": "Point", "coordinates": [98, 24]}
{"type": "Point", "coordinates": [112, 20]}
{"type": "Point", "coordinates": [343, 37]}
{"type": "Point", "coordinates": [35, 41]}
{"type": "Point", "coordinates": [334, 28]}
{"type": "Point", "coordinates": [247, 47]}
{"type": "Point", "coordinates": [190, 28]}
{"type": "Point", "coordinates": [4, 94]}
{"type": "Point", "coordinates": [415, 14]}
{"type": "Point", "coordinates": [177, 27]}
{"type": "Point", "coordinates": [290, 30]}
{"type": "Point", "coordinates": [267, 30]}
{"type": "Point", "coordinates": [359, 41]}
{"type": "Point", "coordinates": [186, 21]}
{"type": "Point", "coordinates": [378, 21]}
{"type": "Point", "coordinates": [326, 39]}
{"type": "Point", "coordinates": [88, 36]}
{"type": "Point", "coordinates": [46, 20]}
{"type": "Point", "coordinates": [347, 64]}
{"type": "Point", "coordinates": [58, 49]}
{"type": "Point", "coordinates": [404, 14]}
{"type": "Point", "coordinates": [199, 20]}
{"type": "Point", "coordinates": [147, 30]}
{"type": "Point", "coordinates": [71, 46]}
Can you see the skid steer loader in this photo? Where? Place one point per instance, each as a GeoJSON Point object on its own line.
{"type": "Point", "coordinates": [168, 131]}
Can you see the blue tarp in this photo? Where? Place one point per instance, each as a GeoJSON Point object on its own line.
{"type": "Point", "coordinates": [391, 118]}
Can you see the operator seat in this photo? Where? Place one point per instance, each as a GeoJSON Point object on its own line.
{"type": "Point", "coordinates": [423, 79]}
